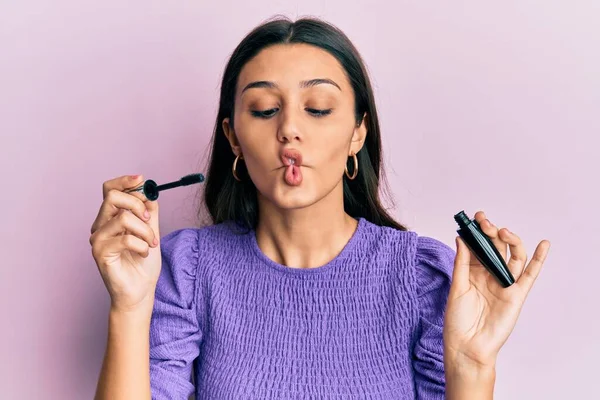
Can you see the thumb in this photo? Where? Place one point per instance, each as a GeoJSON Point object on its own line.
{"type": "Point", "coordinates": [462, 269]}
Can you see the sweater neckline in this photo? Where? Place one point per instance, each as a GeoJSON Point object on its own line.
{"type": "Point", "coordinates": [337, 260]}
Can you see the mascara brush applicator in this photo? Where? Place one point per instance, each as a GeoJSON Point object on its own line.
{"type": "Point", "coordinates": [151, 190]}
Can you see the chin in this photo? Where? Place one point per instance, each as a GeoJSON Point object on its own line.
{"type": "Point", "coordinates": [280, 194]}
{"type": "Point", "coordinates": [286, 197]}
{"type": "Point", "coordinates": [293, 197]}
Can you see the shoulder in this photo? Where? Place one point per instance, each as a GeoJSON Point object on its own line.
{"type": "Point", "coordinates": [424, 258]}
{"type": "Point", "coordinates": [433, 267]}
{"type": "Point", "coordinates": [387, 242]}
{"type": "Point", "coordinates": [433, 253]}
{"type": "Point", "coordinates": [432, 256]}
{"type": "Point", "coordinates": [210, 233]}
{"type": "Point", "coordinates": [185, 247]}
{"type": "Point", "coordinates": [187, 254]}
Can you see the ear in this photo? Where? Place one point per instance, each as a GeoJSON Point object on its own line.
{"type": "Point", "coordinates": [359, 136]}
{"type": "Point", "coordinates": [231, 137]}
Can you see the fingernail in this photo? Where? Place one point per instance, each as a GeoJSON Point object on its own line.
{"type": "Point", "coordinates": [134, 176]}
{"type": "Point", "coordinates": [146, 214]}
{"type": "Point", "coordinates": [155, 242]}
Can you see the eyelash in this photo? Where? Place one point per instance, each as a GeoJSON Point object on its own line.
{"type": "Point", "coordinates": [266, 114]}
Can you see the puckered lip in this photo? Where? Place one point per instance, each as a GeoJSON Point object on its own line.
{"type": "Point", "coordinates": [291, 157]}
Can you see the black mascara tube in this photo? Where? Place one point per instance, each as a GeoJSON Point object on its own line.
{"type": "Point", "coordinates": [483, 248]}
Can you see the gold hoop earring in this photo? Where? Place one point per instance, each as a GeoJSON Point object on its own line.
{"type": "Point", "coordinates": [355, 172]}
{"type": "Point", "coordinates": [233, 168]}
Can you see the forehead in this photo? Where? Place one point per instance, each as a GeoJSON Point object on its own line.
{"type": "Point", "coordinates": [288, 64]}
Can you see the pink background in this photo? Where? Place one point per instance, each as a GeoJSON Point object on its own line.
{"type": "Point", "coordinates": [483, 106]}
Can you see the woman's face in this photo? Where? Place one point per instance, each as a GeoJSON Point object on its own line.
{"type": "Point", "coordinates": [295, 124]}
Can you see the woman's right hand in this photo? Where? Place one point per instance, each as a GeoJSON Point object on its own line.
{"type": "Point", "coordinates": [126, 245]}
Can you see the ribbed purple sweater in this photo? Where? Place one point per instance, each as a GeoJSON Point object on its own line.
{"type": "Point", "coordinates": [367, 324]}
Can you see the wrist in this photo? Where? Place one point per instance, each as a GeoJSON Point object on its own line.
{"type": "Point", "coordinates": [461, 361]}
{"type": "Point", "coordinates": [135, 317]}
{"type": "Point", "coordinates": [141, 309]}
{"type": "Point", "coordinates": [467, 378]}
{"type": "Point", "coordinates": [470, 373]}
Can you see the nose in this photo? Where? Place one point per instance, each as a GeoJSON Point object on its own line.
{"type": "Point", "coordinates": [289, 128]}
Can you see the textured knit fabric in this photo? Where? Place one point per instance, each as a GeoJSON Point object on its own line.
{"type": "Point", "coordinates": [366, 325]}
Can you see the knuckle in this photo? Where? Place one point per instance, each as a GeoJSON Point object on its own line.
{"type": "Point", "coordinates": [106, 187]}
{"type": "Point", "coordinates": [123, 218]}
{"type": "Point", "coordinates": [94, 238]}
{"type": "Point", "coordinates": [127, 240]}
{"type": "Point", "coordinates": [144, 249]}
{"type": "Point", "coordinates": [111, 195]}
{"type": "Point", "coordinates": [96, 251]}
{"type": "Point", "coordinates": [140, 206]}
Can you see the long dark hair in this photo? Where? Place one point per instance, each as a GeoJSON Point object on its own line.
{"type": "Point", "coordinates": [229, 200]}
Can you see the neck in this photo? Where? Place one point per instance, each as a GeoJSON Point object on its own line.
{"type": "Point", "coordinates": [305, 237]}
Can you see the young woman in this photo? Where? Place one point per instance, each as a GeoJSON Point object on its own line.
{"type": "Point", "coordinates": [304, 286]}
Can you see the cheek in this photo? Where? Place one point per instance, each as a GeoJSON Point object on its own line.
{"type": "Point", "coordinates": [256, 145]}
{"type": "Point", "coordinates": [333, 148]}
{"type": "Point", "coordinates": [260, 164]}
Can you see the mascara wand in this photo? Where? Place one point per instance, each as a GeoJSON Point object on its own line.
{"type": "Point", "coordinates": [151, 190]}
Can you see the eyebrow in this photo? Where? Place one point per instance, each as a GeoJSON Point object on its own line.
{"type": "Point", "coordinates": [303, 84]}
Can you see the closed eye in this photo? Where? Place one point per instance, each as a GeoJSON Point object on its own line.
{"type": "Point", "coordinates": [271, 112]}
{"type": "Point", "coordinates": [318, 113]}
{"type": "Point", "coordinates": [265, 114]}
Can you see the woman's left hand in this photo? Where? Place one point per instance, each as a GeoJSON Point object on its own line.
{"type": "Point", "coordinates": [481, 314]}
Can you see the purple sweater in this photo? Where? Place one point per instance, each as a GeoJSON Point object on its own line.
{"type": "Point", "coordinates": [368, 324]}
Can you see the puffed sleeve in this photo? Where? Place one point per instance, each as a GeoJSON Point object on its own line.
{"type": "Point", "coordinates": [434, 264]}
{"type": "Point", "coordinates": [175, 332]}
